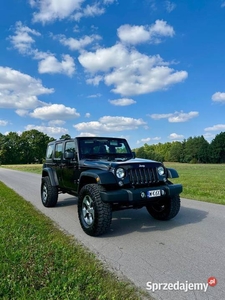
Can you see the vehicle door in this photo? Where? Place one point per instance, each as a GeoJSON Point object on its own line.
{"type": "Point", "coordinates": [70, 166]}
{"type": "Point", "coordinates": [57, 161]}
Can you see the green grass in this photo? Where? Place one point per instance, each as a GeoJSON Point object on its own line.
{"type": "Point", "coordinates": [38, 261]}
{"type": "Point", "coordinates": [203, 182]}
{"type": "Point", "coordinates": [34, 168]}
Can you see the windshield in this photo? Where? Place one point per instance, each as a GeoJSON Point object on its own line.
{"type": "Point", "coordinates": [109, 148]}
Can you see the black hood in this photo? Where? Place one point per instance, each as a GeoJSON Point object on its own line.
{"type": "Point", "coordinates": [105, 164]}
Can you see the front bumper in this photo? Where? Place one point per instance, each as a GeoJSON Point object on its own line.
{"type": "Point", "coordinates": [132, 196]}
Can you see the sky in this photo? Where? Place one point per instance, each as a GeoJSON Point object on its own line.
{"type": "Point", "coordinates": [152, 71]}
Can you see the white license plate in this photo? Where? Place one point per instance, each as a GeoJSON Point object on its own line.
{"type": "Point", "coordinates": [154, 193]}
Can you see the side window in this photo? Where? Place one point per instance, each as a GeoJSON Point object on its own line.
{"type": "Point", "coordinates": [49, 152]}
{"type": "Point", "coordinates": [58, 151]}
{"type": "Point", "coordinates": [70, 147]}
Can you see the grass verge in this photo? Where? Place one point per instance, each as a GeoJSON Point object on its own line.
{"type": "Point", "coordinates": [38, 261]}
{"type": "Point", "coordinates": [33, 168]}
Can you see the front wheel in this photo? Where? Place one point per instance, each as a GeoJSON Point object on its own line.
{"type": "Point", "coordinates": [165, 209]}
{"type": "Point", "coordinates": [49, 193]}
{"type": "Point", "coordinates": [94, 215]}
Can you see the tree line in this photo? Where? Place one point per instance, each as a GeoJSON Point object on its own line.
{"type": "Point", "coordinates": [191, 150]}
{"type": "Point", "coordinates": [30, 147]}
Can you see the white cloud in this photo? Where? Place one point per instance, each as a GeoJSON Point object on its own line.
{"type": "Point", "coordinates": [19, 90]}
{"type": "Point", "coordinates": [51, 10]}
{"type": "Point", "coordinates": [48, 63]}
{"type": "Point", "coordinates": [183, 117]}
{"type": "Point", "coordinates": [86, 134]}
{"type": "Point", "coordinates": [49, 130]}
{"type": "Point", "coordinates": [56, 123]}
{"type": "Point", "coordinates": [218, 127]}
{"type": "Point", "coordinates": [51, 65]}
{"type": "Point", "coordinates": [170, 6]}
{"type": "Point", "coordinates": [160, 116]}
{"type": "Point", "coordinates": [89, 11]}
{"type": "Point", "coordinates": [132, 73]}
{"type": "Point", "coordinates": [22, 112]}
{"type": "Point", "coordinates": [161, 28]}
{"type": "Point", "coordinates": [209, 136]}
{"type": "Point", "coordinates": [78, 44]}
{"type": "Point", "coordinates": [110, 124]}
{"type": "Point", "coordinates": [141, 34]}
{"type": "Point", "coordinates": [176, 117]}
{"type": "Point", "coordinates": [109, 1]}
{"type": "Point", "coordinates": [95, 80]}
{"type": "Point", "coordinates": [122, 102]}
{"type": "Point", "coordinates": [133, 34]}
{"type": "Point", "coordinates": [95, 95]}
{"type": "Point", "coordinates": [104, 58]}
{"type": "Point", "coordinates": [3, 123]}
{"type": "Point", "coordinates": [175, 136]}
{"type": "Point", "coordinates": [23, 40]}
{"type": "Point", "coordinates": [93, 10]}
{"type": "Point", "coordinates": [87, 115]}
{"type": "Point", "coordinates": [55, 112]}
{"type": "Point", "coordinates": [147, 140]}
{"type": "Point", "coordinates": [218, 97]}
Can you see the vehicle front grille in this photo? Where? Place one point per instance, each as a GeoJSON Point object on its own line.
{"type": "Point", "coordinates": [143, 176]}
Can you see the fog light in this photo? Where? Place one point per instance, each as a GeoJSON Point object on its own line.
{"type": "Point", "coordinates": [120, 183]}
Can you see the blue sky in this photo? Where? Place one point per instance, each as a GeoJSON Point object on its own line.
{"type": "Point", "coordinates": [150, 71]}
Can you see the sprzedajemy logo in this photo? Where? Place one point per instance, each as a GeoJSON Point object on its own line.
{"type": "Point", "coordinates": [181, 286]}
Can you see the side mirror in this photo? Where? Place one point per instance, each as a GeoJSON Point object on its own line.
{"type": "Point", "coordinates": [69, 155]}
{"type": "Point", "coordinates": [134, 154]}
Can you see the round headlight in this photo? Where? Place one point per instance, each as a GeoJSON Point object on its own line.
{"type": "Point", "coordinates": [161, 171]}
{"type": "Point", "coordinates": [120, 173]}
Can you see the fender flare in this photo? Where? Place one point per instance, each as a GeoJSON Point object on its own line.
{"type": "Point", "coordinates": [172, 173]}
{"type": "Point", "coordinates": [52, 176]}
{"type": "Point", "coordinates": [98, 176]}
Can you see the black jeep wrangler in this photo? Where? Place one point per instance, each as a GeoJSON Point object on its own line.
{"type": "Point", "coordinates": [105, 175]}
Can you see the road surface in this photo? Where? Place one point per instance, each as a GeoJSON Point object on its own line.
{"type": "Point", "coordinates": [182, 253]}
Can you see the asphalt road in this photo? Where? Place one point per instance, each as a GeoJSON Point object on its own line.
{"type": "Point", "coordinates": [181, 252]}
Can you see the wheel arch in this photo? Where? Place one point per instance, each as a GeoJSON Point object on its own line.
{"type": "Point", "coordinates": [52, 176]}
{"type": "Point", "coordinates": [96, 176]}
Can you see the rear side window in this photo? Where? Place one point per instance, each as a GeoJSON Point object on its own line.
{"type": "Point", "coordinates": [49, 152]}
{"type": "Point", "coordinates": [70, 147]}
{"type": "Point", "coordinates": [58, 151]}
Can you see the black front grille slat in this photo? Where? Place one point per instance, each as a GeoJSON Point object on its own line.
{"type": "Point", "coordinates": [155, 175]}
{"type": "Point", "coordinates": [149, 174]}
{"type": "Point", "coordinates": [143, 176]}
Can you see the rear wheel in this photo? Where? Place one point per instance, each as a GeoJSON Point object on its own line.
{"type": "Point", "coordinates": [94, 215]}
{"type": "Point", "coordinates": [49, 193]}
{"type": "Point", "coordinates": [165, 209]}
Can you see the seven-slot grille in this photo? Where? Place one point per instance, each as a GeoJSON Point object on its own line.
{"type": "Point", "coordinates": [143, 176]}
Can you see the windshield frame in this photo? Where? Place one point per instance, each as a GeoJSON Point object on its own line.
{"type": "Point", "coordinates": [108, 148]}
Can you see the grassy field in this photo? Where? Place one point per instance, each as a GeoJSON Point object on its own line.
{"type": "Point", "coordinates": [38, 261]}
{"type": "Point", "coordinates": [203, 182]}
{"type": "Point", "coordinates": [200, 181]}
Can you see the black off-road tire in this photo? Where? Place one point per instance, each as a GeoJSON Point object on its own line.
{"type": "Point", "coordinates": [49, 193]}
{"type": "Point", "coordinates": [166, 209]}
{"type": "Point", "coordinates": [95, 216]}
